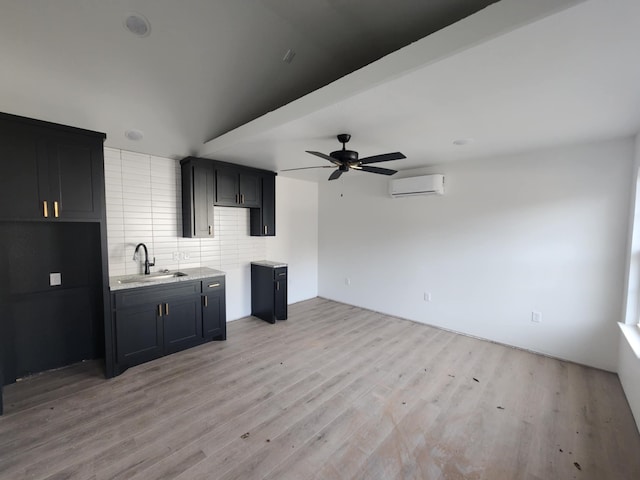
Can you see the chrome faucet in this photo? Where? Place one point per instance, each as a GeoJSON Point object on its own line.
{"type": "Point", "coordinates": [147, 264]}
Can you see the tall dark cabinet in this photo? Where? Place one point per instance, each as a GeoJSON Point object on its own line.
{"type": "Point", "coordinates": [198, 194]}
{"type": "Point", "coordinates": [269, 290]}
{"type": "Point", "coordinates": [53, 248]}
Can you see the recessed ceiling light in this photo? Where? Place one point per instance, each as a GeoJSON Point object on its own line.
{"type": "Point", "coordinates": [463, 141]}
{"type": "Point", "coordinates": [134, 134]}
{"type": "Point", "coordinates": [137, 24]}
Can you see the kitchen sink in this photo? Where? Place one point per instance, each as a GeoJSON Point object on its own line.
{"type": "Point", "coordinates": [153, 277]}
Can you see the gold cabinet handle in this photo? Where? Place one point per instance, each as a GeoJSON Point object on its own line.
{"type": "Point", "coordinates": [242, 198]}
{"type": "Point", "coordinates": [237, 198]}
{"type": "Point", "coordinates": [56, 212]}
{"type": "Point", "coordinates": [166, 309]}
{"type": "Point", "coordinates": [206, 301]}
{"type": "Point", "coordinates": [159, 309]}
{"type": "Point", "coordinates": [45, 209]}
{"type": "Point", "coordinates": [277, 285]}
{"type": "Point", "coordinates": [210, 229]}
{"type": "Point", "coordinates": [265, 229]}
{"type": "Point", "coordinates": [213, 285]}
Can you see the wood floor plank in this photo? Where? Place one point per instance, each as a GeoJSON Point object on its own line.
{"type": "Point", "coordinates": [335, 392]}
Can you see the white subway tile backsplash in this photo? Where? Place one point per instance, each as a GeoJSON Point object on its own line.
{"type": "Point", "coordinates": [143, 199]}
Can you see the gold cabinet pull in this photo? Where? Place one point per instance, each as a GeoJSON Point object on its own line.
{"type": "Point", "coordinates": [55, 209]}
{"type": "Point", "coordinates": [159, 309]}
{"type": "Point", "coordinates": [265, 229]}
{"type": "Point", "coordinates": [237, 198]}
{"type": "Point", "coordinates": [206, 301]}
{"type": "Point", "coordinates": [213, 285]}
{"type": "Point", "coordinates": [45, 209]}
{"type": "Point", "coordinates": [277, 285]}
{"type": "Point", "coordinates": [210, 229]}
{"type": "Point", "coordinates": [166, 309]}
{"type": "Point", "coordinates": [242, 198]}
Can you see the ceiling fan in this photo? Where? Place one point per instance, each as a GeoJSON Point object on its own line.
{"type": "Point", "coordinates": [347, 160]}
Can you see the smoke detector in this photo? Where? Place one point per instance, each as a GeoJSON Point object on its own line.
{"type": "Point", "coordinates": [137, 24]}
{"type": "Point", "coordinates": [134, 135]}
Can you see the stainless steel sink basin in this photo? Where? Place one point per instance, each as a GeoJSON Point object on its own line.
{"type": "Point", "coordinates": [154, 277]}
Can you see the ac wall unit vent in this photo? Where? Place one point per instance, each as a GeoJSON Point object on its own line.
{"type": "Point", "coordinates": [413, 186]}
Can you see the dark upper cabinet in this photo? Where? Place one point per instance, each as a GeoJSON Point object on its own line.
{"type": "Point", "coordinates": [50, 172]}
{"type": "Point", "coordinates": [263, 219]}
{"type": "Point", "coordinates": [198, 195]}
{"type": "Point", "coordinates": [236, 187]}
{"type": "Point", "coordinates": [208, 183]}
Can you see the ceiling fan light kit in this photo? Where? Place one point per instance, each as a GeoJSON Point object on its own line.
{"type": "Point", "coordinates": [346, 160]}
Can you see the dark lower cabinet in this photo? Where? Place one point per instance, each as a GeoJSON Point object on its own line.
{"type": "Point", "coordinates": [154, 321]}
{"type": "Point", "coordinates": [269, 291]}
{"type": "Point", "coordinates": [214, 318]}
{"type": "Point", "coordinates": [182, 324]}
{"type": "Point", "coordinates": [138, 335]}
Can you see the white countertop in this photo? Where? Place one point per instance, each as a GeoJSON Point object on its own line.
{"type": "Point", "coordinates": [191, 274]}
{"type": "Point", "coordinates": [269, 263]}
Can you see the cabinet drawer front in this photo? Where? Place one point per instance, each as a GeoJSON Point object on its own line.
{"type": "Point", "coordinates": [144, 295]}
{"type": "Point", "coordinates": [212, 284]}
{"type": "Point", "coordinates": [280, 273]}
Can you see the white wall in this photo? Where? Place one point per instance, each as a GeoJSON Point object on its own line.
{"type": "Point", "coordinates": [628, 360]}
{"type": "Point", "coordinates": [143, 195]}
{"type": "Point", "coordinates": [296, 240]}
{"type": "Point", "coordinates": [543, 231]}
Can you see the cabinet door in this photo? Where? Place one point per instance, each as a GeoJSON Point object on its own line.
{"type": "Point", "coordinates": [226, 186]}
{"type": "Point", "coordinates": [214, 317]}
{"type": "Point", "coordinates": [197, 199]}
{"type": "Point", "coordinates": [138, 334]}
{"type": "Point", "coordinates": [250, 191]}
{"type": "Point", "coordinates": [50, 172]}
{"type": "Point", "coordinates": [182, 324]}
{"type": "Point", "coordinates": [75, 166]}
{"type": "Point", "coordinates": [263, 220]}
{"type": "Point", "coordinates": [280, 294]}
{"type": "Point", "coordinates": [24, 177]}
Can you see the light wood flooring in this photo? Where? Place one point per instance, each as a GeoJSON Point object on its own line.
{"type": "Point", "coordinates": [335, 392]}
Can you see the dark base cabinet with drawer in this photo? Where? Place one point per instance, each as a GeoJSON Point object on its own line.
{"type": "Point", "coordinates": [269, 290]}
{"type": "Point", "coordinates": [154, 321]}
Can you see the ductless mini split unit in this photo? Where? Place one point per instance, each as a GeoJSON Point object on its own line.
{"type": "Point", "coordinates": [413, 186]}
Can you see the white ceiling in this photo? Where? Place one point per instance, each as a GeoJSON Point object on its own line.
{"type": "Point", "coordinates": [572, 76]}
{"type": "Point", "coordinates": [514, 76]}
{"type": "Point", "coordinates": [207, 66]}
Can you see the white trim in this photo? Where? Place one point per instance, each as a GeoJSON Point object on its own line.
{"type": "Point", "coordinates": [632, 334]}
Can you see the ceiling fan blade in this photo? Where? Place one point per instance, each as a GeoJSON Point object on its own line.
{"type": "Point", "coordinates": [385, 157]}
{"type": "Point", "coordinates": [305, 168]}
{"type": "Point", "coordinates": [381, 171]}
{"type": "Point", "coordinates": [322, 155]}
{"type": "Point", "coordinates": [335, 174]}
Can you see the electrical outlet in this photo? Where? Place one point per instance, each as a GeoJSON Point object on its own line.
{"type": "Point", "coordinates": [536, 317]}
{"type": "Point", "coordinates": [186, 255]}
{"type": "Point", "coordinates": [347, 281]}
{"type": "Point", "coordinates": [427, 296]}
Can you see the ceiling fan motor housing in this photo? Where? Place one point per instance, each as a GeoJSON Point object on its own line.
{"type": "Point", "coordinates": [348, 156]}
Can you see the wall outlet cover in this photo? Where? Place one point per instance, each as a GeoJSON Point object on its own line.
{"type": "Point", "coordinates": [55, 279]}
